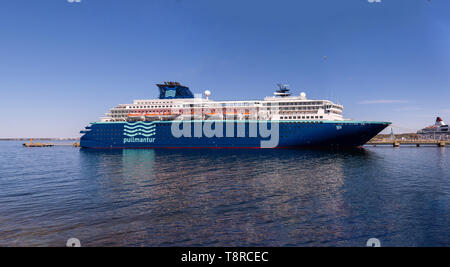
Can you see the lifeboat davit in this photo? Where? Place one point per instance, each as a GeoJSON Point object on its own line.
{"type": "Point", "coordinates": [135, 117]}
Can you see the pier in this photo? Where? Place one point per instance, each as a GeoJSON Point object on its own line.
{"type": "Point", "coordinates": [31, 144]}
{"type": "Point", "coordinates": [417, 143]}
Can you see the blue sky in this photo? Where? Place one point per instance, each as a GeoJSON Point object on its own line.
{"type": "Point", "coordinates": [63, 65]}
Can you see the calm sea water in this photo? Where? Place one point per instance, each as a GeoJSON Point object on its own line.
{"type": "Point", "coordinates": [224, 197]}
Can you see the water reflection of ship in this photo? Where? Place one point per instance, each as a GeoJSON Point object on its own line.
{"type": "Point", "coordinates": [298, 182]}
{"type": "Point", "coordinates": [127, 171]}
{"type": "Point", "coordinates": [232, 198]}
{"type": "Point", "coordinates": [138, 163]}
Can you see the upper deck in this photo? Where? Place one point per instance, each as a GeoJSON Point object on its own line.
{"type": "Point", "coordinates": [176, 102]}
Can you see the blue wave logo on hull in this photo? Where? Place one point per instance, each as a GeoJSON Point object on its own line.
{"type": "Point", "coordinates": [140, 128]}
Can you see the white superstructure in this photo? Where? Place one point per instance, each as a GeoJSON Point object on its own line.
{"type": "Point", "coordinates": [437, 131]}
{"type": "Point", "coordinates": [282, 106]}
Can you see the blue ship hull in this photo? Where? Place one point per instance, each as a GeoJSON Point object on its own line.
{"type": "Point", "coordinates": [291, 134]}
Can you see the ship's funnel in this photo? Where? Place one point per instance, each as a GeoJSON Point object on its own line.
{"type": "Point", "coordinates": [172, 90]}
{"type": "Point", "coordinates": [439, 122]}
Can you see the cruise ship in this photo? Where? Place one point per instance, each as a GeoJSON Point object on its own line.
{"type": "Point", "coordinates": [180, 119]}
{"type": "Point", "coordinates": [437, 131]}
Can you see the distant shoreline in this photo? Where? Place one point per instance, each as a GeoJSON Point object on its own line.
{"type": "Point", "coordinates": [39, 139]}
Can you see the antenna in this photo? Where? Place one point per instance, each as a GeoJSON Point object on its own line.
{"type": "Point", "coordinates": [283, 86]}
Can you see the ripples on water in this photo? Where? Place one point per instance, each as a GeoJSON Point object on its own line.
{"type": "Point", "coordinates": [224, 197]}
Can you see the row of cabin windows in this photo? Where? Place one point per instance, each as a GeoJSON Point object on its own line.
{"type": "Point", "coordinates": [292, 103]}
{"type": "Point", "coordinates": [304, 104]}
{"type": "Point", "coordinates": [239, 104]}
{"type": "Point", "coordinates": [300, 117]}
{"type": "Point", "coordinates": [287, 108]}
{"type": "Point", "coordinates": [107, 130]}
{"type": "Point", "coordinates": [300, 108]}
{"type": "Point", "coordinates": [300, 103]}
{"type": "Point", "coordinates": [151, 103]}
{"type": "Point", "coordinates": [152, 106]}
{"type": "Point", "coordinates": [130, 111]}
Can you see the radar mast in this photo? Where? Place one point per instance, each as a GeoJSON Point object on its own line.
{"type": "Point", "coordinates": [283, 90]}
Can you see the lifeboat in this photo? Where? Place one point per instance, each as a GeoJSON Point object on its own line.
{"type": "Point", "coordinates": [163, 116]}
{"type": "Point", "coordinates": [135, 117]}
{"type": "Point", "coordinates": [152, 116]}
{"type": "Point", "coordinates": [213, 116]}
{"type": "Point", "coordinates": [190, 116]}
{"type": "Point", "coordinates": [237, 115]}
